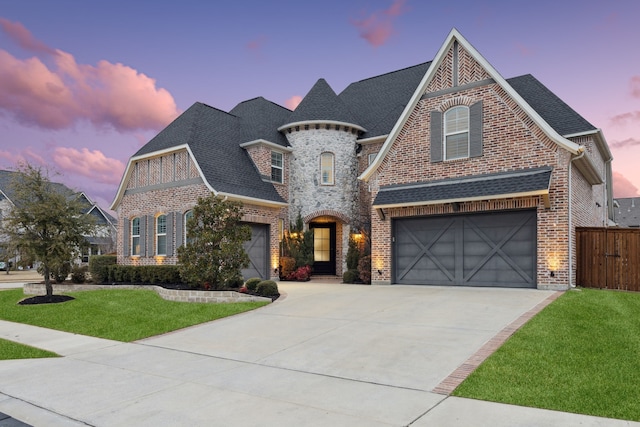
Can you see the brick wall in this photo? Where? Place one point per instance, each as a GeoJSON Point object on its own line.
{"type": "Point", "coordinates": [511, 141]}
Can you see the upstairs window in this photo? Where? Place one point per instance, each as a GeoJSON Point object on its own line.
{"type": "Point", "coordinates": [135, 236]}
{"type": "Point", "coordinates": [327, 168]}
{"type": "Point", "coordinates": [456, 133]}
{"type": "Point", "coordinates": [276, 167]}
{"type": "Point", "coordinates": [161, 235]}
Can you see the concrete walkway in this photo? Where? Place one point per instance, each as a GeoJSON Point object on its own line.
{"type": "Point", "coordinates": [327, 354]}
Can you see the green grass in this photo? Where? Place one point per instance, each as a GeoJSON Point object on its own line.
{"type": "Point", "coordinates": [122, 315]}
{"type": "Point", "coordinates": [581, 354]}
{"type": "Point", "coordinates": [13, 350]}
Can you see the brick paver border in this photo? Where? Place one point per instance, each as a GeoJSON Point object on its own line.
{"type": "Point", "coordinates": [463, 371]}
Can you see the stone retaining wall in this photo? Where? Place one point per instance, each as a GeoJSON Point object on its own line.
{"type": "Point", "coordinates": [168, 294]}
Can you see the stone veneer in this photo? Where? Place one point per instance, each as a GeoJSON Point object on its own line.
{"type": "Point", "coordinates": [167, 294]}
{"type": "Point", "coordinates": [307, 195]}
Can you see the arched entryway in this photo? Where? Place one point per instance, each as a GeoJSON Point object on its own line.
{"type": "Point", "coordinates": [330, 229]}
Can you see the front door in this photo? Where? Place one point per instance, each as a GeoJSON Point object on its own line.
{"type": "Point", "coordinates": [324, 248]}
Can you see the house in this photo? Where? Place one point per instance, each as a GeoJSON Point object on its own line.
{"type": "Point", "coordinates": [460, 177]}
{"type": "Point", "coordinates": [627, 212]}
{"type": "Point", "coordinates": [101, 242]}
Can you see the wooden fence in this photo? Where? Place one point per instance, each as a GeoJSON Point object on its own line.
{"type": "Point", "coordinates": [608, 258]}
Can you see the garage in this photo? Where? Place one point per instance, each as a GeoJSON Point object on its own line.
{"type": "Point", "coordinates": [488, 249]}
{"type": "Point", "coordinates": [258, 250]}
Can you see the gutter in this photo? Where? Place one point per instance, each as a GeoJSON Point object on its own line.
{"type": "Point", "coordinates": [572, 241]}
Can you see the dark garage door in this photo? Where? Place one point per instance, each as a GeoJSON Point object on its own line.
{"type": "Point", "coordinates": [258, 250]}
{"type": "Point", "coordinates": [492, 249]}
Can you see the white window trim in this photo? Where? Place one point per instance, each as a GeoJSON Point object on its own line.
{"type": "Point", "coordinates": [133, 236]}
{"type": "Point", "coordinates": [332, 179]}
{"type": "Point", "coordinates": [445, 134]}
{"type": "Point", "coordinates": [159, 234]}
{"type": "Point", "coordinates": [281, 167]}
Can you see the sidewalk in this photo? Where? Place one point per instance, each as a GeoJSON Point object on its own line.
{"type": "Point", "coordinates": [304, 361]}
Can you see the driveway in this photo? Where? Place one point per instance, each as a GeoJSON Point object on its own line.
{"type": "Point", "coordinates": [326, 354]}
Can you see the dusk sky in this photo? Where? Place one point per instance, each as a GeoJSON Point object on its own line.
{"type": "Point", "coordinates": [84, 84]}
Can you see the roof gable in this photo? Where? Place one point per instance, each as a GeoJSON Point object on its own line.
{"type": "Point", "coordinates": [212, 138]}
{"type": "Point", "coordinates": [440, 75]}
{"type": "Point", "coordinates": [260, 120]}
{"type": "Point", "coordinates": [322, 104]}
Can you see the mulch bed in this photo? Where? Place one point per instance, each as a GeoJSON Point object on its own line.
{"type": "Point", "coordinates": [43, 299]}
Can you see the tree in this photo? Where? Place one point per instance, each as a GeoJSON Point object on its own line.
{"type": "Point", "coordinates": [47, 221]}
{"type": "Point", "coordinates": [214, 252]}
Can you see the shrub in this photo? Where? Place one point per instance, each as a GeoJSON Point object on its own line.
{"type": "Point", "coordinates": [302, 274]}
{"type": "Point", "coordinates": [60, 272]}
{"type": "Point", "coordinates": [267, 288]}
{"type": "Point", "coordinates": [350, 276]}
{"type": "Point", "coordinates": [287, 266]}
{"type": "Point", "coordinates": [99, 267]}
{"type": "Point", "coordinates": [364, 268]}
{"type": "Point", "coordinates": [235, 282]}
{"type": "Point", "coordinates": [353, 255]}
{"type": "Point", "coordinates": [252, 284]}
{"type": "Point", "coordinates": [147, 274]}
{"type": "Point", "coordinates": [79, 273]}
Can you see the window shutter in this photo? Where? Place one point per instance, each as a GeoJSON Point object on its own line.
{"type": "Point", "coordinates": [143, 235]}
{"type": "Point", "coordinates": [170, 234]}
{"type": "Point", "coordinates": [126, 232]}
{"type": "Point", "coordinates": [436, 136]}
{"type": "Point", "coordinates": [179, 229]}
{"type": "Point", "coordinates": [475, 130]}
{"type": "Point", "coordinates": [151, 235]}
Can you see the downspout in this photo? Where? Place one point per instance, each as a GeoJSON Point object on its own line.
{"type": "Point", "coordinates": [571, 241]}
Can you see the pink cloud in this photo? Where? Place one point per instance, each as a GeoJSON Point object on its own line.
{"type": "Point", "coordinates": [524, 50]}
{"type": "Point", "coordinates": [23, 37]}
{"type": "Point", "coordinates": [293, 102]}
{"type": "Point", "coordinates": [92, 164]}
{"type": "Point", "coordinates": [378, 26]}
{"type": "Point", "coordinates": [28, 155]}
{"type": "Point", "coordinates": [623, 119]}
{"type": "Point", "coordinates": [58, 95]}
{"type": "Point", "coordinates": [257, 44]}
{"type": "Point", "coordinates": [622, 187]}
{"type": "Point", "coordinates": [635, 86]}
{"type": "Point", "coordinates": [629, 142]}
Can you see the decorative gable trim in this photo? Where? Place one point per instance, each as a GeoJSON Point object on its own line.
{"type": "Point", "coordinates": [270, 145]}
{"type": "Point", "coordinates": [455, 36]}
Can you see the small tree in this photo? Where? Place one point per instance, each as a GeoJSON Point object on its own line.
{"type": "Point", "coordinates": [214, 253]}
{"type": "Point", "coordinates": [47, 221]}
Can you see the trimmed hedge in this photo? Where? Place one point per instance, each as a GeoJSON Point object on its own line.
{"type": "Point", "coordinates": [252, 284]}
{"type": "Point", "coordinates": [350, 276]}
{"type": "Point", "coordinates": [148, 274]}
{"type": "Point", "coordinates": [99, 267]}
{"type": "Point", "coordinates": [79, 273]}
{"type": "Point", "coordinates": [267, 288]}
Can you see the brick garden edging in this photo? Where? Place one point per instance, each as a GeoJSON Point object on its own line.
{"type": "Point", "coordinates": [167, 294]}
{"type": "Point", "coordinates": [456, 378]}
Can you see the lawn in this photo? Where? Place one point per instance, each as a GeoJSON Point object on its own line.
{"type": "Point", "coordinates": [13, 350]}
{"type": "Point", "coordinates": [581, 354]}
{"type": "Point", "coordinates": [122, 315]}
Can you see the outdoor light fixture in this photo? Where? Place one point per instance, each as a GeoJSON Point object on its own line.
{"type": "Point", "coordinates": [380, 272]}
{"type": "Point", "coordinates": [552, 273]}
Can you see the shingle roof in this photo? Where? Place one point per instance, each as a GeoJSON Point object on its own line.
{"type": "Point", "coordinates": [562, 118]}
{"type": "Point", "coordinates": [260, 119]}
{"type": "Point", "coordinates": [6, 185]}
{"type": "Point", "coordinates": [460, 189]}
{"type": "Point", "coordinates": [627, 214]}
{"type": "Point", "coordinates": [214, 138]}
{"type": "Point", "coordinates": [377, 102]}
{"type": "Point", "coordinates": [322, 103]}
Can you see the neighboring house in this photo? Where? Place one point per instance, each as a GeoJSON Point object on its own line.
{"type": "Point", "coordinates": [460, 176]}
{"type": "Point", "coordinates": [101, 242]}
{"type": "Point", "coordinates": [627, 212]}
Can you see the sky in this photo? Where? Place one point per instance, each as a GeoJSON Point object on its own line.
{"type": "Point", "coordinates": [85, 84]}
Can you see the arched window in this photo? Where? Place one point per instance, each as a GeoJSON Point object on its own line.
{"type": "Point", "coordinates": [456, 133]}
{"type": "Point", "coordinates": [327, 168]}
{"type": "Point", "coordinates": [161, 235]}
{"type": "Point", "coordinates": [187, 215]}
{"type": "Point", "coordinates": [135, 236]}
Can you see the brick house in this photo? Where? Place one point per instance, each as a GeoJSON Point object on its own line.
{"type": "Point", "coordinates": [460, 176]}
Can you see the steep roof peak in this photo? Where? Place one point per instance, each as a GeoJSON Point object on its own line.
{"type": "Point", "coordinates": [322, 103]}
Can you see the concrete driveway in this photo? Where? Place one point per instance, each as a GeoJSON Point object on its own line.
{"type": "Point", "coordinates": [327, 354]}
